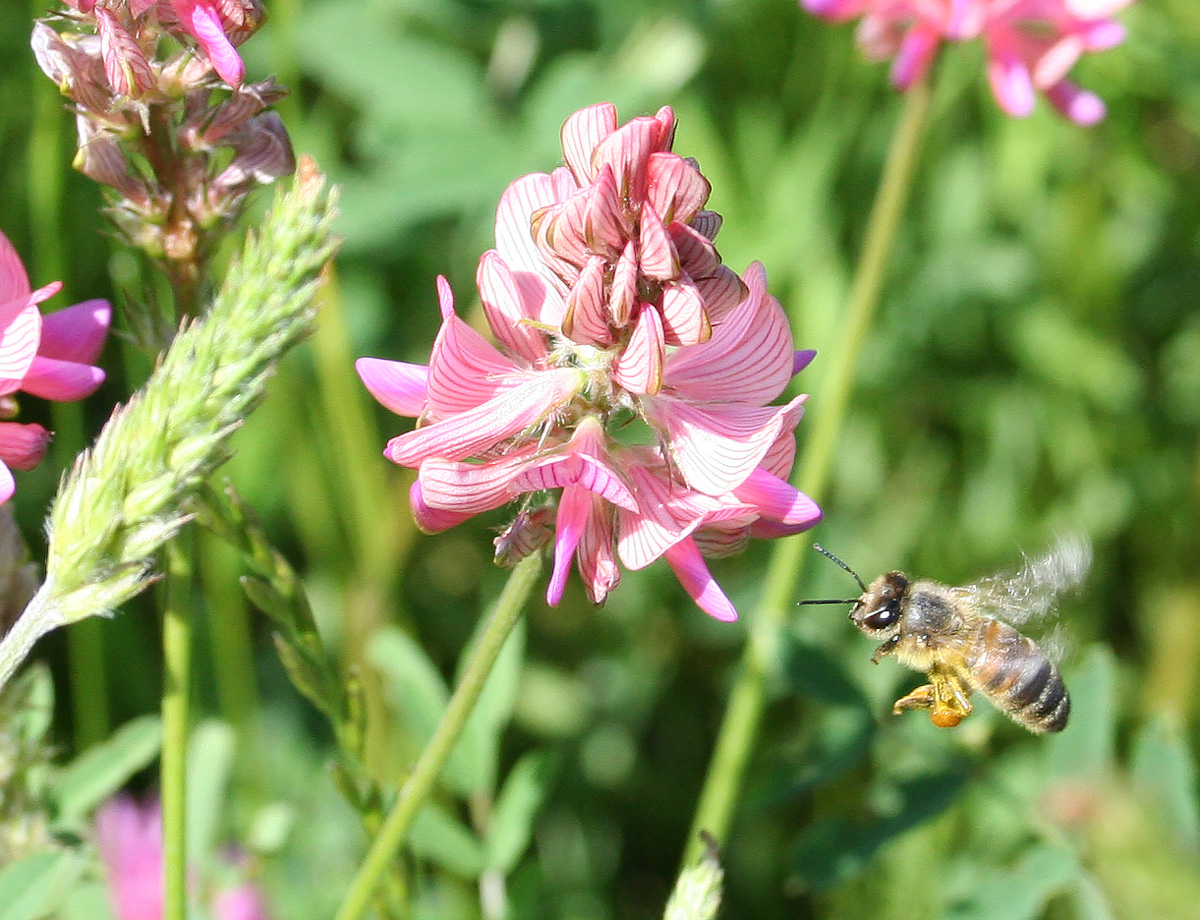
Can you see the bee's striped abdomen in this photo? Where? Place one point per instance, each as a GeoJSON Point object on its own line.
{"type": "Point", "coordinates": [1018, 677]}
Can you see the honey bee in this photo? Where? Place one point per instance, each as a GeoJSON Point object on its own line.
{"type": "Point", "coordinates": [962, 637]}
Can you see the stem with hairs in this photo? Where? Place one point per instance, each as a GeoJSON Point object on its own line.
{"type": "Point", "coordinates": [743, 714]}
{"type": "Point", "coordinates": [421, 780]}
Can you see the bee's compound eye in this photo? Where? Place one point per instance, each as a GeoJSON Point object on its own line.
{"type": "Point", "coordinates": [882, 618]}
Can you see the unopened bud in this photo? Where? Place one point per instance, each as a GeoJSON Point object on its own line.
{"type": "Point", "coordinates": [529, 531]}
{"type": "Point", "coordinates": [245, 102]}
{"type": "Point", "coordinates": [101, 159]}
{"type": "Point", "coordinates": [263, 153]}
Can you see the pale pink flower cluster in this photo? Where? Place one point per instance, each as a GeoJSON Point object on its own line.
{"type": "Point", "coordinates": [614, 318]}
{"type": "Point", "coordinates": [1031, 45]}
{"type": "Point", "coordinates": [48, 356]}
{"type": "Point", "coordinates": [129, 838]}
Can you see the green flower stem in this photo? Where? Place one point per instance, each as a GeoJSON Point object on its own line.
{"type": "Point", "coordinates": [177, 657]}
{"type": "Point", "coordinates": [744, 711]}
{"type": "Point", "coordinates": [420, 782]}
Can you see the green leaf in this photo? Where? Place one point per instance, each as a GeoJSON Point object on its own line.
{"type": "Point", "coordinates": [418, 693]}
{"type": "Point", "coordinates": [472, 764]}
{"type": "Point", "coordinates": [511, 826]}
{"type": "Point", "coordinates": [1085, 746]}
{"type": "Point", "coordinates": [210, 759]}
{"type": "Point", "coordinates": [1165, 775]}
{"type": "Point", "coordinates": [100, 771]}
{"type": "Point", "coordinates": [1022, 892]}
{"type": "Point", "coordinates": [33, 887]}
{"type": "Point", "coordinates": [441, 838]}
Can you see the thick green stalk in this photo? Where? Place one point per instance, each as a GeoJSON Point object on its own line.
{"type": "Point", "coordinates": [420, 782]}
{"type": "Point", "coordinates": [744, 711]}
{"type": "Point", "coordinates": [177, 659]}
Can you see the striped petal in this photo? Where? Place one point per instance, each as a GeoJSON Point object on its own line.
{"type": "Point", "coordinates": [638, 368]}
{"type": "Point", "coordinates": [582, 133]}
{"type": "Point", "coordinates": [510, 308]}
{"type": "Point", "coordinates": [573, 508]}
{"type": "Point", "coordinates": [777, 500]}
{"type": "Point", "coordinates": [429, 519]}
{"type": "Point", "coordinates": [595, 554]}
{"type": "Point", "coordinates": [472, 488]}
{"type": "Point", "coordinates": [674, 187]}
{"type": "Point", "coordinates": [14, 282]}
{"type": "Point", "coordinates": [18, 347]}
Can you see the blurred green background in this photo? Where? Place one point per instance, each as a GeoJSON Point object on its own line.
{"type": "Point", "coordinates": [1035, 369]}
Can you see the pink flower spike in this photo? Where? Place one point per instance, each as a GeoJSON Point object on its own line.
{"type": "Point", "coordinates": [199, 19]}
{"type": "Point", "coordinates": [76, 333]}
{"type": "Point", "coordinates": [689, 567]}
{"type": "Point", "coordinates": [397, 386]}
{"type": "Point", "coordinates": [61, 381]}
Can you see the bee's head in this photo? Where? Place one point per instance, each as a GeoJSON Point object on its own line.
{"type": "Point", "coordinates": [878, 609]}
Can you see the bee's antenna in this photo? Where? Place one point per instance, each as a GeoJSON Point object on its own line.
{"type": "Point", "coordinates": [824, 552]}
{"type": "Point", "coordinates": [849, 600]}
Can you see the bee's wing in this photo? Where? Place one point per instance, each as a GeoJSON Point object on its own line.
{"type": "Point", "coordinates": [1031, 592]}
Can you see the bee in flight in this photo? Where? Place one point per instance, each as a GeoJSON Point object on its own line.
{"type": "Point", "coordinates": [962, 639]}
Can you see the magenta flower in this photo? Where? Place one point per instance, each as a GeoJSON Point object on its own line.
{"type": "Point", "coordinates": [129, 838]}
{"type": "Point", "coordinates": [531, 422]}
{"type": "Point", "coordinates": [621, 244]}
{"type": "Point", "coordinates": [48, 356]}
{"type": "Point", "coordinates": [1031, 45]}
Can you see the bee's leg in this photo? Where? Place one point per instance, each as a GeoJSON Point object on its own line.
{"type": "Point", "coordinates": [886, 648]}
{"type": "Point", "coordinates": [944, 696]}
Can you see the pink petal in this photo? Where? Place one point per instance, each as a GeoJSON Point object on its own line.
{"type": "Point", "coordinates": [597, 562]}
{"type": "Point", "coordinates": [717, 447]}
{"type": "Point", "coordinates": [586, 319]}
{"type": "Point", "coordinates": [674, 188]}
{"type": "Point", "coordinates": [429, 519]}
{"type": "Point", "coordinates": [577, 470]}
{"type": "Point", "coordinates": [14, 283]}
{"type": "Point", "coordinates": [18, 347]}
{"type": "Point", "coordinates": [472, 488]}
{"type": "Point", "coordinates": [61, 381]}
{"type": "Point", "coordinates": [721, 291]}
{"type": "Point", "coordinates": [624, 288]}
{"type": "Point", "coordinates": [835, 9]}
{"type": "Point", "coordinates": [638, 368]}
{"type": "Point", "coordinates": [482, 427]}
{"type": "Point", "coordinates": [581, 133]}
{"type": "Point", "coordinates": [626, 151]}
{"type": "Point", "coordinates": [684, 320]}
{"type": "Point", "coordinates": [510, 313]}
{"type": "Point", "coordinates": [1103, 35]}
{"type": "Point", "coordinates": [749, 359]}
{"type": "Point", "coordinates": [1095, 9]}
{"type": "Point", "coordinates": [514, 237]}
{"type": "Point", "coordinates": [397, 385]}
{"type": "Point", "coordinates": [1057, 61]}
{"type": "Point", "coordinates": [777, 500]}
{"type": "Point", "coordinates": [915, 53]}
{"type": "Point", "coordinates": [573, 508]}
{"type": "Point", "coordinates": [559, 232]}
{"type": "Point", "coordinates": [8, 485]}
{"type": "Point", "coordinates": [657, 256]}
{"type": "Point", "coordinates": [604, 228]}
{"type": "Point", "coordinates": [1011, 83]}
{"type": "Point", "coordinates": [697, 254]}
{"type": "Point", "coordinates": [200, 20]}
{"type": "Point", "coordinates": [689, 567]}
{"type": "Point", "coordinates": [76, 333]}
{"type": "Point", "coordinates": [802, 359]}
{"type": "Point", "coordinates": [645, 534]}
{"type": "Point", "coordinates": [22, 447]}
{"type": "Point", "coordinates": [708, 223]}
{"type": "Point", "coordinates": [241, 903]}
{"type": "Point", "coordinates": [1079, 105]}
{"type": "Point", "coordinates": [465, 369]}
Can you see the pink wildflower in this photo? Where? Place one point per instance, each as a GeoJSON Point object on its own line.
{"type": "Point", "coordinates": [1031, 44]}
{"type": "Point", "coordinates": [532, 419]}
{"type": "Point", "coordinates": [48, 356]}
{"type": "Point", "coordinates": [129, 837]}
{"type": "Point", "coordinates": [210, 23]}
{"type": "Point", "coordinates": [621, 244]}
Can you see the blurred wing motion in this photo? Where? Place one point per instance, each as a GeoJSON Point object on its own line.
{"type": "Point", "coordinates": [1031, 592]}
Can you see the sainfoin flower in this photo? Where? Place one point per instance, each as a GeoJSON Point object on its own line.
{"type": "Point", "coordinates": [1031, 45]}
{"type": "Point", "coordinates": [48, 356]}
{"type": "Point", "coordinates": [620, 448]}
{"type": "Point", "coordinates": [129, 838]}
